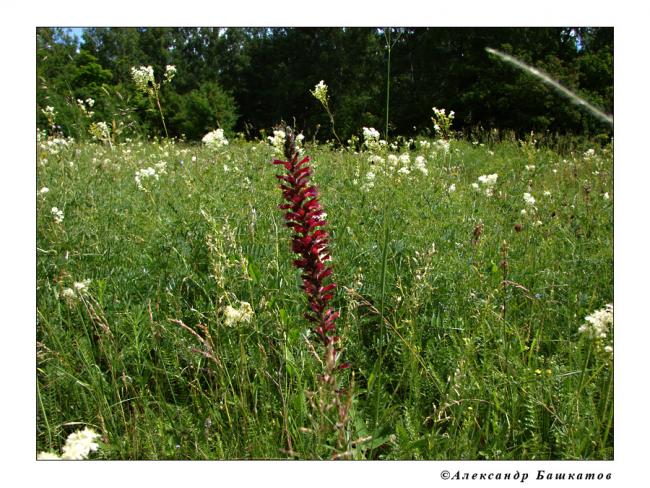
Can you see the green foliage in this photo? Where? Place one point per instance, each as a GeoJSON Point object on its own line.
{"type": "Point", "coordinates": [201, 110]}
{"type": "Point", "coordinates": [442, 67]}
{"type": "Point", "coordinates": [454, 354]}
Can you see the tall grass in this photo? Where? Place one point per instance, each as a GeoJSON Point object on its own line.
{"type": "Point", "coordinates": [461, 346]}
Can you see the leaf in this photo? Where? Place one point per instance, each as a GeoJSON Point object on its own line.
{"type": "Point", "coordinates": [253, 272]}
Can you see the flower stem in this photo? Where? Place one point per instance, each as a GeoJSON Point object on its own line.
{"type": "Point", "coordinates": [162, 117]}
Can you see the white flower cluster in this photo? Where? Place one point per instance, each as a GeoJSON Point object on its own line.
{"type": "Point", "coordinates": [529, 199]}
{"type": "Point", "coordinates": [320, 92]}
{"type": "Point", "coordinates": [401, 165]}
{"type": "Point", "coordinates": [598, 323]}
{"type": "Point", "coordinates": [442, 122]}
{"type": "Point", "coordinates": [370, 181]}
{"type": "Point", "coordinates": [44, 190]}
{"type": "Point", "coordinates": [441, 145]}
{"type": "Point", "coordinates": [55, 144]}
{"type": "Point", "coordinates": [278, 140]}
{"type": "Point", "coordinates": [420, 165]}
{"type": "Point", "coordinates": [170, 72]}
{"type": "Point", "coordinates": [85, 106]}
{"type": "Point", "coordinates": [100, 131]}
{"type": "Point", "coordinates": [370, 133]}
{"type": "Point", "coordinates": [58, 215]}
{"type": "Point", "coordinates": [215, 139]}
{"type": "Point", "coordinates": [50, 114]}
{"type": "Point", "coordinates": [49, 111]}
{"type": "Point", "coordinates": [146, 173]}
{"type": "Point", "coordinates": [78, 446]}
{"type": "Point", "coordinates": [440, 112]}
{"type": "Point", "coordinates": [488, 182]}
{"type": "Point", "coordinates": [589, 154]}
{"type": "Point", "coordinates": [143, 78]}
{"type": "Point", "coordinates": [375, 159]}
{"type": "Point", "coordinates": [234, 316]}
{"type": "Point", "coordinates": [371, 139]}
{"type": "Point", "coordinates": [79, 289]}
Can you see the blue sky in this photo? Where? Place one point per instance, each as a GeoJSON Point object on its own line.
{"type": "Point", "coordinates": [77, 32]}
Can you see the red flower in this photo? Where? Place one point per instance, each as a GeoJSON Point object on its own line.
{"type": "Point", "coordinates": [306, 218]}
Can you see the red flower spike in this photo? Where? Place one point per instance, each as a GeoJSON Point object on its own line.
{"type": "Point", "coordinates": [305, 216]}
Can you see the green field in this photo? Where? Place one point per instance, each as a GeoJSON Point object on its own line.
{"type": "Point", "coordinates": [460, 314]}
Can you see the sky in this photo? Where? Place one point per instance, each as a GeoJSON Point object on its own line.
{"type": "Point", "coordinates": [76, 31]}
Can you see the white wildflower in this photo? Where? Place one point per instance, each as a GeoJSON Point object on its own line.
{"type": "Point", "coordinates": [424, 144]}
{"type": "Point", "coordinates": [606, 196]}
{"type": "Point", "coordinates": [170, 72]}
{"type": "Point", "coordinates": [215, 139]}
{"type": "Point", "coordinates": [320, 92]}
{"type": "Point", "coordinates": [529, 199]}
{"type": "Point", "coordinates": [145, 173]}
{"type": "Point", "coordinates": [47, 456]}
{"type": "Point", "coordinates": [547, 193]}
{"type": "Point", "coordinates": [404, 170]}
{"type": "Point", "coordinates": [43, 190]}
{"type": "Point", "coordinates": [143, 78]}
{"type": "Point", "coordinates": [58, 215]}
{"type": "Point", "coordinates": [452, 188]}
{"type": "Point", "coordinates": [160, 167]}
{"type": "Point", "coordinates": [100, 131]}
{"type": "Point", "coordinates": [370, 181]}
{"type": "Point", "coordinates": [234, 316]}
{"type": "Point", "coordinates": [442, 144]}
{"type": "Point", "coordinates": [475, 186]}
{"type": "Point", "coordinates": [420, 165]}
{"type": "Point", "coordinates": [277, 141]}
{"type": "Point", "coordinates": [370, 133]}
{"type": "Point", "coordinates": [68, 294]}
{"type": "Point", "coordinates": [371, 139]}
{"type": "Point", "coordinates": [598, 323]}
{"type": "Point", "coordinates": [405, 159]}
{"type": "Point", "coordinates": [80, 444]}
{"type": "Point", "coordinates": [488, 180]}
{"type": "Point", "coordinates": [530, 167]}
{"type": "Point", "coordinates": [81, 287]}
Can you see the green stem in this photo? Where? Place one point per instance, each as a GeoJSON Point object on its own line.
{"type": "Point", "coordinates": [607, 412]}
{"type": "Point", "coordinates": [162, 117]}
{"type": "Point", "coordinates": [584, 369]}
{"type": "Point", "coordinates": [388, 83]}
{"type": "Point", "coordinates": [47, 423]}
{"type": "Point", "coordinates": [331, 116]}
{"type": "Point", "coordinates": [382, 326]}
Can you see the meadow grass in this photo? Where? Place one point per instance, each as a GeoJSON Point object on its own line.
{"type": "Point", "coordinates": [459, 314]}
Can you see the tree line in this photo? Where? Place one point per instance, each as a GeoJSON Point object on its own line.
{"type": "Point", "coordinates": [248, 79]}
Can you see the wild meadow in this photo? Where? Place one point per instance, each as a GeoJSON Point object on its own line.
{"type": "Point", "coordinates": [474, 278]}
